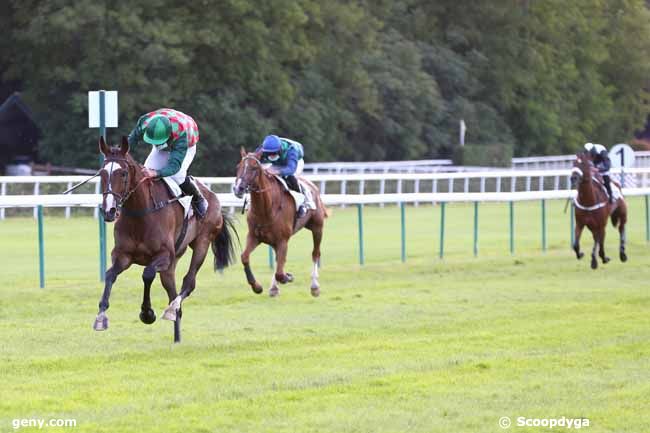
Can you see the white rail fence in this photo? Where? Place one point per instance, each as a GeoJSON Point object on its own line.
{"type": "Point", "coordinates": [642, 159]}
{"type": "Point", "coordinates": [380, 184]}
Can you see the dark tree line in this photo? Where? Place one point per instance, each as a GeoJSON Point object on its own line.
{"type": "Point", "coordinates": [352, 80]}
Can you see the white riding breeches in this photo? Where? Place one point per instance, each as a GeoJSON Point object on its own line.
{"type": "Point", "coordinates": [157, 159]}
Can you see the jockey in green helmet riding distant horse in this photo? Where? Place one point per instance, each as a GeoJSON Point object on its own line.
{"type": "Point", "coordinates": [286, 159]}
{"type": "Point", "coordinates": [174, 137]}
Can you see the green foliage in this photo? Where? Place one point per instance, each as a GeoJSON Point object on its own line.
{"type": "Point", "coordinates": [488, 155]}
{"type": "Point", "coordinates": [351, 80]}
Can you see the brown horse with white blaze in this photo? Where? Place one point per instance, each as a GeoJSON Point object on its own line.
{"type": "Point", "coordinates": [592, 209]}
{"type": "Point", "coordinates": [151, 230]}
{"type": "Point", "coordinates": [272, 220]}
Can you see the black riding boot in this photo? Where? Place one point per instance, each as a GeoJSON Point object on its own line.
{"type": "Point", "coordinates": [608, 187]}
{"type": "Point", "coordinates": [199, 203]}
{"type": "Point", "coordinates": [292, 182]}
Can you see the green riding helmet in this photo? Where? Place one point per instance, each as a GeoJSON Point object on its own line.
{"type": "Point", "coordinates": [158, 131]}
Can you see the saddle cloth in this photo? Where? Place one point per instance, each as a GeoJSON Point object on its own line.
{"type": "Point", "coordinates": [176, 192]}
{"type": "Point", "coordinates": [306, 198]}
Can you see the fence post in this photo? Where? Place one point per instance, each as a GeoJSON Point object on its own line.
{"type": "Point", "coordinates": [3, 191]}
{"type": "Point", "coordinates": [475, 228]}
{"type": "Point", "coordinates": [41, 247]}
{"type": "Point", "coordinates": [403, 219]}
{"type": "Point", "coordinates": [647, 221]}
{"type": "Point", "coordinates": [442, 229]}
{"type": "Point", "coordinates": [512, 227]}
{"type": "Point", "coordinates": [360, 218]}
{"type": "Point", "coordinates": [37, 189]}
{"type": "Point", "coordinates": [543, 225]}
{"type": "Point", "coordinates": [270, 257]}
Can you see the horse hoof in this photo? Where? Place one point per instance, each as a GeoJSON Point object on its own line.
{"type": "Point", "coordinates": [580, 255]}
{"type": "Point", "coordinates": [101, 322]}
{"type": "Point", "coordinates": [315, 292]}
{"type": "Point", "coordinates": [623, 257]}
{"type": "Point", "coordinates": [594, 263]}
{"type": "Point", "coordinates": [257, 288]}
{"type": "Point", "coordinates": [273, 292]}
{"type": "Point", "coordinates": [172, 309]}
{"type": "Point", "coordinates": [606, 259]}
{"type": "Point", "coordinates": [284, 278]}
{"type": "Point", "coordinates": [147, 316]}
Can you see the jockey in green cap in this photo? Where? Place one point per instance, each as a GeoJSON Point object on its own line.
{"type": "Point", "coordinates": [173, 136]}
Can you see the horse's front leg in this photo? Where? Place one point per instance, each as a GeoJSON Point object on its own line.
{"type": "Point", "coordinates": [576, 241]}
{"type": "Point", "coordinates": [251, 243]}
{"type": "Point", "coordinates": [280, 276]}
{"type": "Point", "coordinates": [120, 263]}
{"type": "Point", "coordinates": [173, 310]}
{"type": "Point", "coordinates": [601, 249]}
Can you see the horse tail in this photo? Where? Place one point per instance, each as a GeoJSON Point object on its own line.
{"type": "Point", "coordinates": [223, 247]}
{"type": "Point", "coordinates": [328, 211]}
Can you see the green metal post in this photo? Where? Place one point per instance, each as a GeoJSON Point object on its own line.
{"type": "Point", "coordinates": [41, 248]}
{"type": "Point", "coordinates": [647, 220]}
{"type": "Point", "coordinates": [512, 227]}
{"type": "Point", "coordinates": [102, 247]}
{"type": "Point", "coordinates": [102, 123]}
{"type": "Point", "coordinates": [442, 229]}
{"type": "Point", "coordinates": [360, 215]}
{"type": "Point", "coordinates": [573, 220]}
{"type": "Point", "coordinates": [403, 215]}
{"type": "Point", "coordinates": [543, 225]}
{"type": "Point", "coordinates": [270, 257]}
{"type": "Point", "coordinates": [475, 228]}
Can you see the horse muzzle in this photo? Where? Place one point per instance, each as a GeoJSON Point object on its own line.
{"type": "Point", "coordinates": [110, 215]}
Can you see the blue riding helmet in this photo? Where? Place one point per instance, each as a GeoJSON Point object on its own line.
{"type": "Point", "coordinates": [271, 144]}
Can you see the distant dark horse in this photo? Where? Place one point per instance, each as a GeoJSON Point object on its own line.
{"type": "Point", "coordinates": [592, 209]}
{"type": "Point", "coordinates": [271, 219]}
{"type": "Point", "coordinates": [150, 232]}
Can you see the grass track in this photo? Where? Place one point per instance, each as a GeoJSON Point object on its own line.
{"type": "Point", "coordinates": [426, 346]}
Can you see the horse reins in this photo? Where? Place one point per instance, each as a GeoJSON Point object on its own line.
{"type": "Point", "coordinates": [257, 189]}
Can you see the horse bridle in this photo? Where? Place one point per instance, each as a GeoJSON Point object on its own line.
{"type": "Point", "coordinates": [120, 200]}
{"type": "Point", "coordinates": [259, 163]}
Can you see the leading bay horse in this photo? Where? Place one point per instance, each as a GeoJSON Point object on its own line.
{"type": "Point", "coordinates": [592, 209]}
{"type": "Point", "coordinates": [272, 220]}
{"type": "Point", "coordinates": [151, 232]}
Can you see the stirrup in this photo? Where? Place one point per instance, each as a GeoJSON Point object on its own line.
{"type": "Point", "coordinates": [302, 211]}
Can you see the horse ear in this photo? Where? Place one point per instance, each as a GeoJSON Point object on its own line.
{"type": "Point", "coordinates": [242, 151]}
{"type": "Point", "coordinates": [102, 146]}
{"type": "Point", "coordinates": [124, 149]}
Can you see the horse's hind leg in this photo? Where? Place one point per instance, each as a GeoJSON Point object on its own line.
{"type": "Point", "coordinates": [317, 236]}
{"type": "Point", "coordinates": [601, 244]}
{"type": "Point", "coordinates": [576, 241]}
{"type": "Point", "coordinates": [251, 244]}
{"type": "Point", "coordinates": [199, 251]}
{"type": "Point", "coordinates": [280, 276]}
{"type": "Point", "coordinates": [120, 264]}
{"type": "Point", "coordinates": [621, 231]}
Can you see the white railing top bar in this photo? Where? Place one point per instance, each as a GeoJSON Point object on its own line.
{"type": "Point", "coordinates": [227, 199]}
{"type": "Point", "coordinates": [349, 176]}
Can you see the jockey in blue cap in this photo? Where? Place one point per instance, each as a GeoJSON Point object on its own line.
{"type": "Point", "coordinates": [286, 158]}
{"type": "Point", "coordinates": [601, 160]}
